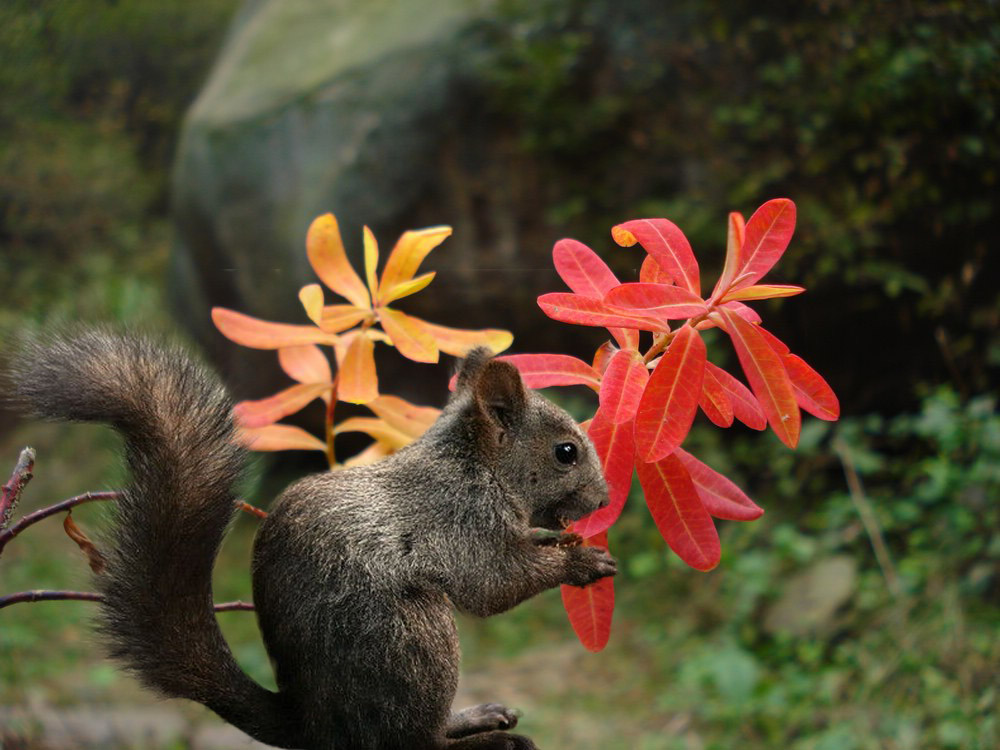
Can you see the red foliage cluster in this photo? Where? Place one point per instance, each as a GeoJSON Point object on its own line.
{"type": "Point", "coordinates": [648, 399]}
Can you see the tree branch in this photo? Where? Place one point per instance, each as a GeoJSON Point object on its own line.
{"type": "Point", "coordinates": [7, 534]}
{"type": "Point", "coordinates": [11, 492]}
{"type": "Point", "coordinates": [42, 595]}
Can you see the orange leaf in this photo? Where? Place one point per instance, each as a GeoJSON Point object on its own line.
{"type": "Point", "coordinates": [458, 342]}
{"type": "Point", "coordinates": [409, 335]}
{"type": "Point", "coordinates": [679, 514]}
{"type": "Point", "coordinates": [269, 410]}
{"type": "Point", "coordinates": [262, 334]}
{"type": "Point", "coordinates": [669, 403]}
{"type": "Point", "coordinates": [406, 288]}
{"type": "Point", "coordinates": [377, 429]}
{"type": "Point", "coordinates": [278, 437]}
{"type": "Point", "coordinates": [358, 383]}
{"type": "Point", "coordinates": [337, 318]}
{"type": "Point", "coordinates": [306, 364]}
{"type": "Point", "coordinates": [371, 261]}
{"type": "Point", "coordinates": [326, 254]}
{"type": "Point", "coordinates": [406, 257]}
{"type": "Point", "coordinates": [373, 453]}
{"type": "Point", "coordinates": [311, 297]}
{"type": "Point", "coordinates": [763, 291]}
{"type": "Point", "coordinates": [590, 608]}
{"type": "Point", "coordinates": [767, 375]}
{"type": "Point", "coordinates": [409, 419]}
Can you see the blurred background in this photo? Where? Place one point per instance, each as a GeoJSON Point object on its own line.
{"type": "Point", "coordinates": [158, 158]}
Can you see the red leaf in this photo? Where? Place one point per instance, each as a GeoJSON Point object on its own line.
{"type": "Point", "coordinates": [735, 237]}
{"type": "Point", "coordinates": [615, 448]}
{"type": "Point", "coordinates": [545, 370]}
{"type": "Point", "coordinates": [603, 355]}
{"type": "Point", "coordinates": [663, 240]}
{"type": "Point", "coordinates": [768, 378]}
{"type": "Point", "coordinates": [660, 301]}
{"type": "Point", "coordinates": [572, 308]}
{"type": "Point", "coordinates": [720, 496]}
{"type": "Point", "coordinates": [590, 607]}
{"type": "Point", "coordinates": [812, 392]}
{"type": "Point", "coordinates": [622, 386]}
{"type": "Point", "coordinates": [670, 400]}
{"type": "Point", "coordinates": [746, 408]}
{"type": "Point", "coordinates": [652, 273]}
{"type": "Point", "coordinates": [774, 342]}
{"type": "Point", "coordinates": [768, 233]}
{"type": "Point", "coordinates": [678, 512]}
{"type": "Point", "coordinates": [582, 270]}
{"type": "Point", "coordinates": [715, 401]}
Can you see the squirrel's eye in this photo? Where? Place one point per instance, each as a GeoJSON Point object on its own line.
{"type": "Point", "coordinates": [566, 453]}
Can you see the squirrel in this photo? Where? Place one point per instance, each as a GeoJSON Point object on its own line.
{"type": "Point", "coordinates": [356, 572]}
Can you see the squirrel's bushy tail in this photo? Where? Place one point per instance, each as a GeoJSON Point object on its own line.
{"type": "Point", "coordinates": [176, 419]}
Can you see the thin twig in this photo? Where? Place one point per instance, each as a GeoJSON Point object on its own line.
{"type": "Point", "coordinates": [32, 518]}
{"type": "Point", "coordinates": [42, 595]}
{"type": "Point", "coordinates": [868, 518]}
{"type": "Point", "coordinates": [11, 492]}
{"type": "Point", "coordinates": [331, 456]}
{"type": "Point", "coordinates": [251, 509]}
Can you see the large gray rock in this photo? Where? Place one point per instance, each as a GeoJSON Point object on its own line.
{"type": "Point", "coordinates": [369, 109]}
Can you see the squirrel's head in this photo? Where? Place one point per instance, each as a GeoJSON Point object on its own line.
{"type": "Point", "coordinates": [532, 446]}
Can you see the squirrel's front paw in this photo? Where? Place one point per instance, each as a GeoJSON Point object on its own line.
{"type": "Point", "coordinates": [589, 564]}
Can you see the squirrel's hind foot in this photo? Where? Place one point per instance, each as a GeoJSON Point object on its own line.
{"type": "Point", "coordinates": [493, 741]}
{"type": "Point", "coordinates": [485, 717]}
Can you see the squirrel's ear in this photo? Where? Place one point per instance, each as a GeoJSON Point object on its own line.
{"type": "Point", "coordinates": [471, 366]}
{"type": "Point", "coordinates": [499, 393]}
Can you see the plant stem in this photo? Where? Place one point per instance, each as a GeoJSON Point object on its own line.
{"type": "Point", "coordinates": [331, 408]}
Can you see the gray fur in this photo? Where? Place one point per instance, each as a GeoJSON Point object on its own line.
{"type": "Point", "coordinates": [355, 572]}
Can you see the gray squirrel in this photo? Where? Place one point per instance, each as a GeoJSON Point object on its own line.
{"type": "Point", "coordinates": [355, 572]}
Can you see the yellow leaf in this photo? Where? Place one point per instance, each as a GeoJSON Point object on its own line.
{"type": "Point", "coordinates": [337, 318]}
{"type": "Point", "coordinates": [262, 334]}
{"type": "Point", "coordinates": [374, 452]}
{"type": "Point", "coordinates": [458, 342]}
{"type": "Point", "coordinates": [400, 414]}
{"type": "Point", "coordinates": [623, 237]}
{"type": "Point", "coordinates": [406, 288]}
{"type": "Point", "coordinates": [371, 262]}
{"type": "Point", "coordinates": [306, 364]}
{"type": "Point", "coordinates": [409, 252]}
{"type": "Point", "coordinates": [326, 254]}
{"type": "Point", "coordinates": [278, 437]}
{"type": "Point", "coordinates": [358, 383]}
{"type": "Point", "coordinates": [311, 297]}
{"type": "Point", "coordinates": [763, 291]}
{"type": "Point", "coordinates": [409, 335]}
{"type": "Point", "coordinates": [376, 428]}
